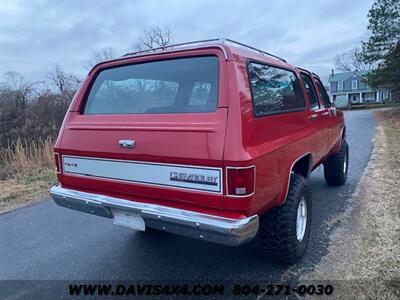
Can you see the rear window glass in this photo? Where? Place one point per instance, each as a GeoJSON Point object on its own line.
{"type": "Point", "coordinates": [274, 90]}
{"type": "Point", "coordinates": [170, 86]}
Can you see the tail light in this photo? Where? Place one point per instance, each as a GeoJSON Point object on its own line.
{"type": "Point", "coordinates": [57, 162]}
{"type": "Point", "coordinates": [241, 181]}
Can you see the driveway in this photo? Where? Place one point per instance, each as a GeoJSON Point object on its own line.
{"type": "Point", "coordinates": [44, 241]}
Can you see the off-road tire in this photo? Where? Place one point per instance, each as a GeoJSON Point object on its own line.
{"type": "Point", "coordinates": [336, 166]}
{"type": "Point", "coordinates": [278, 227]}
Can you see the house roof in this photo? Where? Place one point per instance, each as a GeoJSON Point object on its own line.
{"type": "Point", "coordinates": [345, 75]}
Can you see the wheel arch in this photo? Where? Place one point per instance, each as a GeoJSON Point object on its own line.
{"type": "Point", "coordinates": [301, 165]}
{"type": "Point", "coordinates": [343, 133]}
{"type": "Point", "coordinates": [338, 144]}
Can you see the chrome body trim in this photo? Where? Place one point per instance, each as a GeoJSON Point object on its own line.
{"type": "Point", "coordinates": [334, 112]}
{"type": "Point", "coordinates": [57, 156]}
{"type": "Point", "coordinates": [208, 227]}
{"type": "Point", "coordinates": [236, 168]}
{"type": "Point", "coordinates": [342, 138]}
{"type": "Point", "coordinates": [127, 143]}
{"type": "Point", "coordinates": [148, 163]}
{"type": "Point", "coordinates": [291, 170]}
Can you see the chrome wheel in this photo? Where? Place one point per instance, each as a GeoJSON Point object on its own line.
{"type": "Point", "coordinates": [301, 220]}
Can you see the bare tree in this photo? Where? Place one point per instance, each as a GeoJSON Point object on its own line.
{"type": "Point", "coordinates": [99, 56]}
{"type": "Point", "coordinates": [67, 84]}
{"type": "Point", "coordinates": [16, 81]}
{"type": "Point", "coordinates": [20, 89]}
{"type": "Point", "coordinates": [154, 37]}
{"type": "Point", "coordinates": [351, 61]}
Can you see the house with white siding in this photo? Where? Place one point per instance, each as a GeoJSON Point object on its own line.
{"type": "Point", "coordinates": [351, 88]}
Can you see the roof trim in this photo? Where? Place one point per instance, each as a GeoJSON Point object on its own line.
{"type": "Point", "coordinates": [346, 75]}
{"type": "Point", "coordinates": [217, 41]}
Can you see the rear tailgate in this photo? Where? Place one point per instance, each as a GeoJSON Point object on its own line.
{"type": "Point", "coordinates": [151, 154]}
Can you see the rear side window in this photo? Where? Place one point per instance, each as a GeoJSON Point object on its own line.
{"type": "Point", "coordinates": [312, 96]}
{"type": "Point", "coordinates": [274, 90]}
{"type": "Point", "coordinates": [182, 85]}
{"type": "Point", "coordinates": [323, 94]}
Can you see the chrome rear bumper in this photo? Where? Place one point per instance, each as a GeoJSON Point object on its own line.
{"type": "Point", "coordinates": [184, 222]}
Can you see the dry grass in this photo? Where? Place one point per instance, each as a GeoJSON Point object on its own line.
{"type": "Point", "coordinates": [26, 173]}
{"type": "Point", "coordinates": [390, 117]}
{"type": "Point", "coordinates": [364, 254]}
{"type": "Point", "coordinates": [21, 159]}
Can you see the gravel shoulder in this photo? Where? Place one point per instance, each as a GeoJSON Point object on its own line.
{"type": "Point", "coordinates": [363, 256]}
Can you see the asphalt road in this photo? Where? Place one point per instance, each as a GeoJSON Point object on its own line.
{"type": "Point", "coordinates": [44, 241]}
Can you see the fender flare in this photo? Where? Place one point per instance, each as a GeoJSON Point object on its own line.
{"type": "Point", "coordinates": [283, 199]}
{"type": "Point", "coordinates": [336, 148]}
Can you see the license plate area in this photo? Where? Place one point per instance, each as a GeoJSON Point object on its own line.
{"type": "Point", "coordinates": [128, 219]}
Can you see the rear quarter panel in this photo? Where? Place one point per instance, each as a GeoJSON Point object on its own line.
{"type": "Point", "coordinates": [271, 143]}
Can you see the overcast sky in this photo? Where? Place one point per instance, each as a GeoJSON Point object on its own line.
{"type": "Point", "coordinates": [34, 35]}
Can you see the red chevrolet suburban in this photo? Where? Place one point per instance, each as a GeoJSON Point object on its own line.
{"type": "Point", "coordinates": [211, 139]}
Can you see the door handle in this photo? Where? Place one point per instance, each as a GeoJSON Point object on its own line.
{"type": "Point", "coordinates": [127, 143]}
{"type": "Point", "coordinates": [313, 116]}
{"type": "Point", "coordinates": [325, 113]}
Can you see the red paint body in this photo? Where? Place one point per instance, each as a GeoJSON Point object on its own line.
{"type": "Point", "coordinates": [229, 137]}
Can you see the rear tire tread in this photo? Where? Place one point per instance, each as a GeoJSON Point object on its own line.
{"type": "Point", "coordinates": [278, 233]}
{"type": "Point", "coordinates": [333, 167]}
